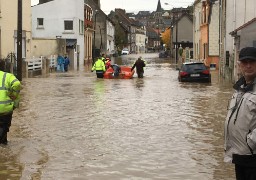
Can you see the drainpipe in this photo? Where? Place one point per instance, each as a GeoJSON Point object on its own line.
{"type": "Point", "coordinates": [234, 47]}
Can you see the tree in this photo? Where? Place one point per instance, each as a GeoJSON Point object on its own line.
{"type": "Point", "coordinates": [166, 37]}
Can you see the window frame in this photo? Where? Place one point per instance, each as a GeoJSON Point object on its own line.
{"type": "Point", "coordinates": [40, 26]}
{"type": "Point", "coordinates": [64, 25]}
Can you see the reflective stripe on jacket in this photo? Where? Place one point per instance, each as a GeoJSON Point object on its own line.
{"type": "Point", "coordinates": [9, 92]}
{"type": "Point", "coordinates": [99, 65]}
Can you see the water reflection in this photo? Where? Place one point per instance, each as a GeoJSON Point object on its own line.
{"type": "Point", "coordinates": [139, 83]}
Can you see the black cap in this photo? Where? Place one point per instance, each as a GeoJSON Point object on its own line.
{"type": "Point", "coordinates": [247, 53]}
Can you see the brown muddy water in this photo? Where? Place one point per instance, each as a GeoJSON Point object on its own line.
{"type": "Point", "coordinates": [73, 126]}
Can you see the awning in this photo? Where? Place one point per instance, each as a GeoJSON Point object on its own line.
{"type": "Point", "coordinates": [70, 42]}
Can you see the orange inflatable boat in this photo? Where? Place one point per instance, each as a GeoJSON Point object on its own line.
{"type": "Point", "coordinates": [125, 73]}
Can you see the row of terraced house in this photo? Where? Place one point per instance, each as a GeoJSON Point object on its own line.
{"type": "Point", "coordinates": [221, 28]}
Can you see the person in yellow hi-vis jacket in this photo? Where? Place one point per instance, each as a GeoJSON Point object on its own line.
{"type": "Point", "coordinates": [9, 100]}
{"type": "Point", "coordinates": [100, 68]}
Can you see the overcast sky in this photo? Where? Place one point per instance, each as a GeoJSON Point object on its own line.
{"type": "Point", "coordinates": [138, 5]}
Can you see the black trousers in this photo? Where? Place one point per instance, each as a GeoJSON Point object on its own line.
{"type": "Point", "coordinates": [140, 74]}
{"type": "Point", "coordinates": [245, 173]}
{"type": "Point", "coordinates": [5, 123]}
{"type": "Point", "coordinates": [99, 73]}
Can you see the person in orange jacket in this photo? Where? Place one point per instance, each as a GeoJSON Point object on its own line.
{"type": "Point", "coordinates": [108, 63]}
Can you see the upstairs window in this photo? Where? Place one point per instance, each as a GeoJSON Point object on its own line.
{"type": "Point", "coordinates": [40, 22]}
{"type": "Point", "coordinates": [68, 25]}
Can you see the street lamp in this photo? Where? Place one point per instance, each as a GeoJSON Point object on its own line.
{"type": "Point", "coordinates": [158, 35]}
{"type": "Point", "coordinates": [93, 50]}
{"type": "Point", "coordinates": [171, 47]}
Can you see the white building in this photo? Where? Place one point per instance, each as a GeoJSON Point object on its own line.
{"type": "Point", "coordinates": [140, 40]}
{"type": "Point", "coordinates": [110, 37]}
{"type": "Point", "coordinates": [62, 20]}
{"type": "Point", "coordinates": [238, 13]}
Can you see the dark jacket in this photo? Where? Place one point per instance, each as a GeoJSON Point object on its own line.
{"type": "Point", "coordinates": [139, 64]}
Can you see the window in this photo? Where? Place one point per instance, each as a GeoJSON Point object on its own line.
{"type": "Point", "coordinates": [68, 25]}
{"type": "Point", "coordinates": [81, 27]}
{"type": "Point", "coordinates": [40, 22]}
{"type": "Point", "coordinates": [227, 58]}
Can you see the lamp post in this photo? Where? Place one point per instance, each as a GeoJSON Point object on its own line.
{"type": "Point", "coordinates": [130, 38]}
{"type": "Point", "coordinates": [93, 50]}
{"type": "Point", "coordinates": [171, 47]}
{"type": "Point", "coordinates": [158, 35]}
{"type": "Point", "coordinates": [19, 41]}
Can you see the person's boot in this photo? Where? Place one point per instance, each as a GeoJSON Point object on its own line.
{"type": "Point", "coordinates": [3, 137]}
{"type": "Point", "coordinates": [5, 142]}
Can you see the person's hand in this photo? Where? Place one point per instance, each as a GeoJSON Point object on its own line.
{"type": "Point", "coordinates": [131, 70]}
{"type": "Point", "coordinates": [12, 97]}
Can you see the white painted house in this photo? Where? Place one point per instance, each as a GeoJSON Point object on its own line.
{"type": "Point", "coordinates": [238, 13]}
{"type": "Point", "coordinates": [62, 20]}
{"type": "Point", "coordinates": [140, 40]}
{"type": "Point", "coordinates": [110, 37]}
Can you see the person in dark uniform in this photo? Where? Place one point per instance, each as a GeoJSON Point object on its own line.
{"type": "Point", "coordinates": [139, 64]}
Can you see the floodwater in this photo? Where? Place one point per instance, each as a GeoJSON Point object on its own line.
{"type": "Point", "coordinates": [73, 126]}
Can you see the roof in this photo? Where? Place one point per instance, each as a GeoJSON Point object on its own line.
{"type": "Point", "coordinates": [159, 8]}
{"type": "Point", "coordinates": [243, 26]}
{"type": "Point", "coordinates": [184, 15]}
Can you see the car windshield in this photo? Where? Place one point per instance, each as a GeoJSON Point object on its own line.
{"type": "Point", "coordinates": [125, 49]}
{"type": "Point", "coordinates": [194, 67]}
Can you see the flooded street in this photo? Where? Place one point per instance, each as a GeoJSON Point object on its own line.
{"type": "Point", "coordinates": [75, 126]}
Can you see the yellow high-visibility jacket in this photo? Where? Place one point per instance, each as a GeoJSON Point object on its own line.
{"type": "Point", "coordinates": [99, 65]}
{"type": "Point", "coordinates": [9, 92]}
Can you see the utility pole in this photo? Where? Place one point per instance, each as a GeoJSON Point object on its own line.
{"type": "Point", "coordinates": [176, 40]}
{"type": "Point", "coordinates": [19, 41]}
{"type": "Point", "coordinates": [93, 50]}
{"type": "Point", "coordinates": [130, 29]}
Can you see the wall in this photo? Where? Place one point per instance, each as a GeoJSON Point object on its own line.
{"type": "Point", "coordinates": [214, 31]}
{"type": "Point", "coordinates": [8, 25]}
{"type": "Point", "coordinates": [196, 30]}
{"type": "Point", "coordinates": [248, 35]}
{"type": "Point", "coordinates": [44, 47]}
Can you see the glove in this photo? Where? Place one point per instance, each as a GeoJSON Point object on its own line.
{"type": "Point", "coordinates": [91, 70]}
